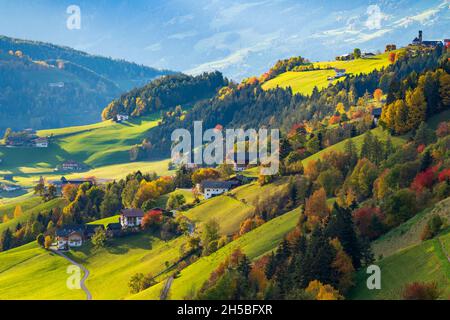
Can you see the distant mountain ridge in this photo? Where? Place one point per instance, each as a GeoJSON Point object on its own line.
{"type": "Point", "coordinates": [44, 85]}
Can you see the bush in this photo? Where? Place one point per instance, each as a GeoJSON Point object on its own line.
{"type": "Point", "coordinates": [432, 228]}
{"type": "Point", "coordinates": [140, 282]}
{"type": "Point", "coordinates": [40, 239]}
{"type": "Point", "coordinates": [421, 291]}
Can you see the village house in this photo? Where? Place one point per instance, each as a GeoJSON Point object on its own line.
{"type": "Point", "coordinates": [71, 165]}
{"type": "Point", "coordinates": [339, 74]}
{"type": "Point", "coordinates": [10, 187]}
{"type": "Point", "coordinates": [368, 54]}
{"type": "Point", "coordinates": [41, 143]}
{"type": "Point", "coordinates": [121, 117]}
{"type": "Point", "coordinates": [131, 218]}
{"type": "Point", "coordinates": [345, 57]}
{"type": "Point", "coordinates": [212, 188]}
{"type": "Point", "coordinates": [69, 237]}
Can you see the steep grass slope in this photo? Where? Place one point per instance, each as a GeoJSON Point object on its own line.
{"type": "Point", "coordinates": [32, 273]}
{"type": "Point", "coordinates": [254, 244]}
{"type": "Point", "coordinates": [424, 262]}
{"type": "Point", "coordinates": [408, 234]}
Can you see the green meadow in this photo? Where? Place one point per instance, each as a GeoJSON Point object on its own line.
{"type": "Point", "coordinates": [104, 147]}
{"type": "Point", "coordinates": [304, 82]}
{"type": "Point", "coordinates": [32, 273]}
{"type": "Point", "coordinates": [423, 262]}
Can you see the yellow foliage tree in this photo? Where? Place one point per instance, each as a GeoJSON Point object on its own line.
{"type": "Point", "coordinates": [340, 108]}
{"type": "Point", "coordinates": [17, 211]}
{"type": "Point", "coordinates": [417, 107]}
{"type": "Point", "coordinates": [323, 292]}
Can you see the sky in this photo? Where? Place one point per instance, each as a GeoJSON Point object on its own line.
{"type": "Point", "coordinates": [239, 38]}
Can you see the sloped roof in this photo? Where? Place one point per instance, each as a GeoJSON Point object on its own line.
{"type": "Point", "coordinates": [217, 184]}
{"type": "Point", "coordinates": [132, 213]}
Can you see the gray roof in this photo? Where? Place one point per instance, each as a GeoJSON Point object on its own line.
{"type": "Point", "coordinates": [132, 213]}
{"type": "Point", "coordinates": [217, 184]}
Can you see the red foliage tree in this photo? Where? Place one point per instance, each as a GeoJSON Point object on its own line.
{"type": "Point", "coordinates": [334, 120]}
{"type": "Point", "coordinates": [423, 180]}
{"type": "Point", "coordinates": [420, 148]}
{"type": "Point", "coordinates": [444, 175]}
{"type": "Point", "coordinates": [152, 218]}
{"type": "Point", "coordinates": [377, 94]}
{"type": "Point", "coordinates": [369, 221]}
{"type": "Point", "coordinates": [443, 129]}
{"type": "Point", "coordinates": [392, 57]}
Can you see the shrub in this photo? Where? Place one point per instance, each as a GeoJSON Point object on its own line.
{"type": "Point", "coordinates": [421, 291]}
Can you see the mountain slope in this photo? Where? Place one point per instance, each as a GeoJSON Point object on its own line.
{"type": "Point", "coordinates": [44, 85]}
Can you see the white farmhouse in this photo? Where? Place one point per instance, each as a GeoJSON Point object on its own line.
{"type": "Point", "coordinates": [69, 238]}
{"type": "Point", "coordinates": [131, 218]}
{"type": "Point", "coordinates": [214, 188]}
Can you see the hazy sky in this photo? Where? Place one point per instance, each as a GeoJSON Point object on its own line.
{"type": "Point", "coordinates": [240, 38]}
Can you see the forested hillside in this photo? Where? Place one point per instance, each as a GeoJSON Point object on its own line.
{"type": "Point", "coordinates": [164, 93]}
{"type": "Point", "coordinates": [248, 105]}
{"type": "Point", "coordinates": [44, 85]}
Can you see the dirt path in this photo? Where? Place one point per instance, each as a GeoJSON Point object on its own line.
{"type": "Point", "coordinates": [86, 274]}
{"type": "Point", "coordinates": [165, 291]}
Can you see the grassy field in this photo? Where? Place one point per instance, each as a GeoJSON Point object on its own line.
{"type": "Point", "coordinates": [34, 209]}
{"type": "Point", "coordinates": [425, 262]}
{"type": "Point", "coordinates": [98, 145]}
{"type": "Point", "coordinates": [32, 273]}
{"type": "Point", "coordinates": [408, 234]}
{"type": "Point", "coordinates": [379, 132]}
{"type": "Point", "coordinates": [27, 201]}
{"type": "Point", "coordinates": [112, 267]}
{"type": "Point", "coordinates": [305, 81]}
{"type": "Point", "coordinates": [254, 244]}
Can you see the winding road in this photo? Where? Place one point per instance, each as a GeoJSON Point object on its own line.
{"type": "Point", "coordinates": [86, 273]}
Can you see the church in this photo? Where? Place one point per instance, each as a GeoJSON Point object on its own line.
{"type": "Point", "coordinates": [418, 41]}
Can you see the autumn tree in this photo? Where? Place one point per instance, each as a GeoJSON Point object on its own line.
{"type": "Point", "coordinates": [316, 207]}
{"type": "Point", "coordinates": [203, 174]}
{"type": "Point", "coordinates": [323, 291]}
{"type": "Point", "coordinates": [152, 219]}
{"type": "Point", "coordinates": [18, 212]}
{"type": "Point", "coordinates": [378, 94]}
{"type": "Point", "coordinates": [48, 242]}
{"type": "Point", "coordinates": [69, 192]}
{"type": "Point", "coordinates": [417, 108]}
{"type": "Point", "coordinates": [343, 265]}
{"type": "Point", "coordinates": [392, 57]}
